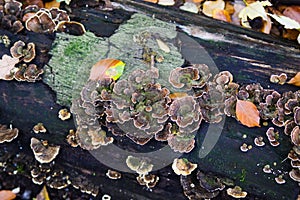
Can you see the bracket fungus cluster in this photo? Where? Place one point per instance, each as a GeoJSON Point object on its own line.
{"type": "Point", "coordinates": [201, 185]}
{"type": "Point", "coordinates": [42, 151]}
{"type": "Point", "coordinates": [7, 134]}
{"type": "Point", "coordinates": [54, 19]}
{"type": "Point", "coordinates": [10, 14]}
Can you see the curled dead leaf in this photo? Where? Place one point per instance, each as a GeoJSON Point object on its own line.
{"type": "Point", "coordinates": [7, 64]}
{"type": "Point", "coordinates": [295, 80]}
{"type": "Point", "coordinates": [247, 113]}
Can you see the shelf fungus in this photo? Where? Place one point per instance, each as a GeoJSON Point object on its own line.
{"type": "Point", "coordinates": [279, 79]}
{"type": "Point", "coordinates": [149, 180]}
{"type": "Point", "coordinates": [23, 51]}
{"type": "Point", "coordinates": [181, 166]}
{"type": "Point", "coordinates": [236, 192]}
{"type": "Point", "coordinates": [39, 128]}
{"type": "Point", "coordinates": [201, 186]}
{"type": "Point", "coordinates": [295, 174]}
{"type": "Point", "coordinates": [43, 152]}
{"type": "Point", "coordinates": [113, 174]}
{"type": "Point", "coordinates": [267, 169]}
{"type": "Point", "coordinates": [64, 114]}
{"type": "Point", "coordinates": [72, 138]}
{"type": "Point", "coordinates": [279, 179]}
{"type": "Point", "coordinates": [193, 76]}
{"type": "Point", "coordinates": [7, 134]}
{"type": "Point", "coordinates": [29, 73]}
{"type": "Point", "coordinates": [295, 136]}
{"type": "Point", "coordinates": [273, 136]}
{"type": "Point", "coordinates": [40, 22]}
{"type": "Point", "coordinates": [140, 165]}
{"type": "Point", "coordinates": [73, 28]}
{"type": "Point", "coordinates": [259, 141]}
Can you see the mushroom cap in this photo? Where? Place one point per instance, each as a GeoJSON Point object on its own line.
{"type": "Point", "coordinates": [70, 27]}
{"type": "Point", "coordinates": [7, 134]}
{"type": "Point", "coordinates": [113, 174]}
{"type": "Point", "coordinates": [210, 182]}
{"type": "Point", "coordinates": [236, 192]}
{"type": "Point", "coordinates": [295, 175]}
{"type": "Point", "coordinates": [280, 179]}
{"type": "Point", "coordinates": [182, 144]}
{"type": "Point", "coordinates": [258, 141]}
{"type": "Point", "coordinates": [181, 166]}
{"type": "Point", "coordinates": [43, 154]}
{"type": "Point", "coordinates": [295, 136]}
{"type": "Point", "coordinates": [267, 169]}
{"type": "Point", "coordinates": [17, 49]}
{"type": "Point", "coordinates": [140, 165]}
{"type": "Point", "coordinates": [41, 22]}
{"type": "Point", "coordinates": [150, 180]}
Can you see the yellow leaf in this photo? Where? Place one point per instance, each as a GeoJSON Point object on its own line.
{"type": "Point", "coordinates": [295, 80]}
{"type": "Point", "coordinates": [252, 11]}
{"type": "Point", "coordinates": [7, 195]}
{"type": "Point", "coordinates": [43, 195]}
{"type": "Point", "coordinates": [221, 15]}
{"type": "Point", "coordinates": [247, 113]}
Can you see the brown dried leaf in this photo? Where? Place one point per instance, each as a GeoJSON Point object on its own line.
{"type": "Point", "coordinates": [7, 195]}
{"type": "Point", "coordinates": [210, 6]}
{"type": "Point", "coordinates": [247, 113]}
{"type": "Point", "coordinates": [43, 195]}
{"type": "Point", "coordinates": [7, 63]}
{"type": "Point", "coordinates": [295, 80]}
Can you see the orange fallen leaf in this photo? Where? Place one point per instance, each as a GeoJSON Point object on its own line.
{"type": "Point", "coordinates": [247, 113]}
{"type": "Point", "coordinates": [7, 195]}
{"type": "Point", "coordinates": [221, 15]}
{"type": "Point", "coordinates": [152, 1]}
{"type": "Point", "coordinates": [52, 4]}
{"type": "Point", "coordinates": [295, 80]}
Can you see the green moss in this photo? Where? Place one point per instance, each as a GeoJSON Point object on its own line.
{"type": "Point", "coordinates": [73, 56]}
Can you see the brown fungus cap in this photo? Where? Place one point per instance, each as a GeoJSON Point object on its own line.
{"type": "Point", "coordinates": [236, 192]}
{"type": "Point", "coordinates": [72, 138]}
{"type": "Point", "coordinates": [112, 174]}
{"type": "Point", "coordinates": [41, 22]}
{"type": "Point", "coordinates": [7, 134]}
{"type": "Point", "coordinates": [181, 166]}
{"type": "Point", "coordinates": [72, 28]}
{"type": "Point", "coordinates": [259, 141]}
{"type": "Point", "coordinates": [150, 180]}
{"type": "Point", "coordinates": [39, 128]}
{"type": "Point", "coordinates": [32, 73]}
{"type": "Point", "coordinates": [23, 51]}
{"type": "Point", "coordinates": [64, 114]}
{"type": "Point", "coordinates": [295, 136]}
{"type": "Point", "coordinates": [139, 164]}
{"type": "Point", "coordinates": [59, 15]}
{"type": "Point", "coordinates": [295, 175]}
{"type": "Point", "coordinates": [280, 79]}
{"type": "Point", "coordinates": [12, 7]}
{"type": "Point", "coordinates": [42, 153]}
{"type": "Point", "coordinates": [279, 179]}
{"type": "Point", "coordinates": [182, 144]}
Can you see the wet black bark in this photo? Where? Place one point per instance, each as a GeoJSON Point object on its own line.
{"type": "Point", "coordinates": [250, 56]}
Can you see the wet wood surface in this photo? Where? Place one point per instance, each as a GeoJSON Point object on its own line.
{"type": "Point", "coordinates": [250, 56]}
